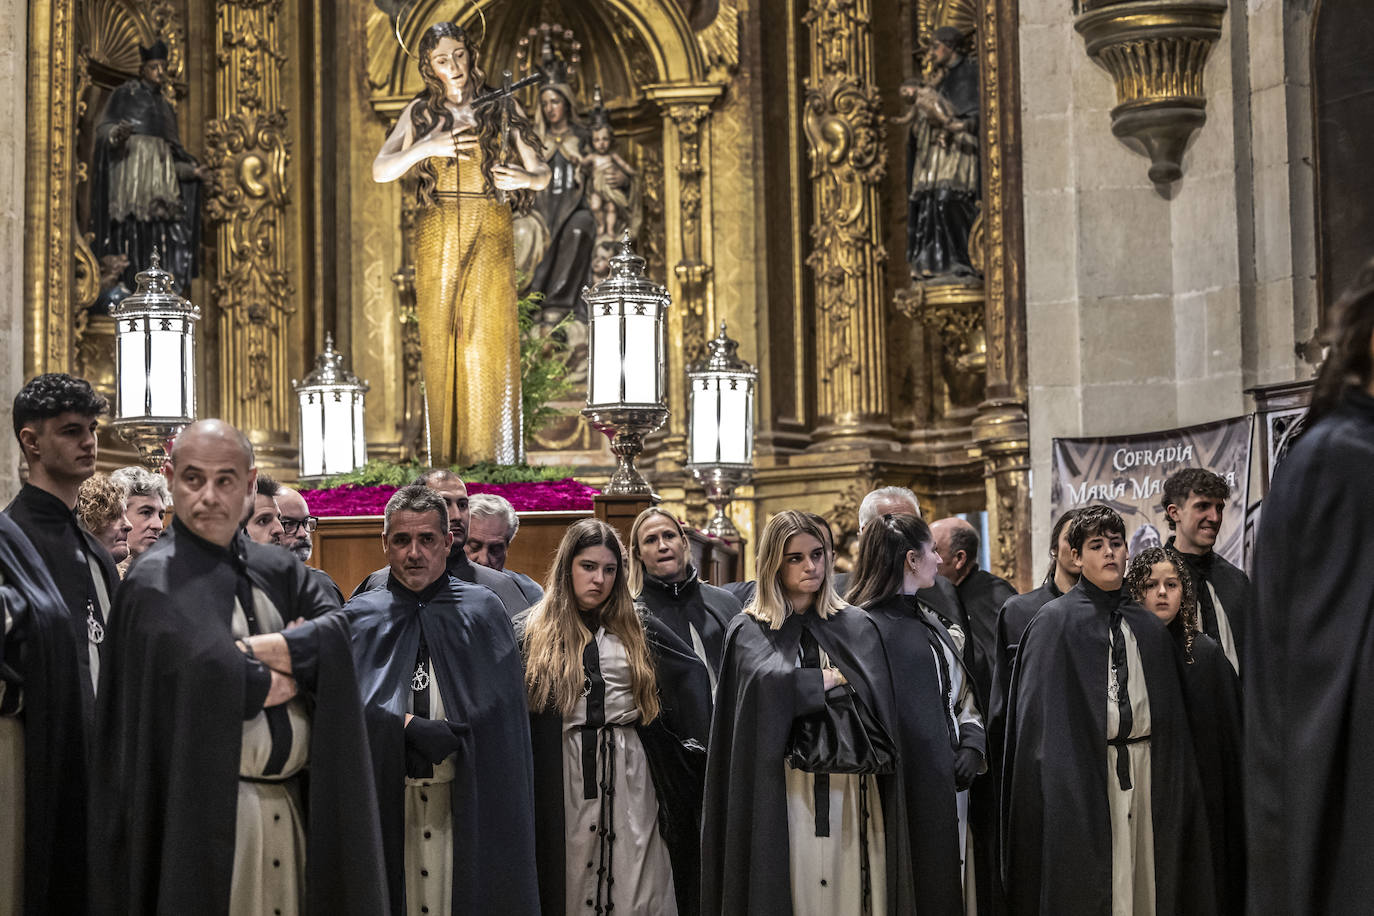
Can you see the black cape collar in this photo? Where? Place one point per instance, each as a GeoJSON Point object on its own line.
{"type": "Point", "coordinates": [1101, 598]}
{"type": "Point", "coordinates": [46, 504]}
{"type": "Point", "coordinates": [677, 589]}
{"type": "Point", "coordinates": [424, 595]}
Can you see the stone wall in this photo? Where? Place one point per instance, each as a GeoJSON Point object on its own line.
{"type": "Point", "coordinates": [13, 26]}
{"type": "Point", "coordinates": [1152, 307]}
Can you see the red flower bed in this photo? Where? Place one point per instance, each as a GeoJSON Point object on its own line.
{"type": "Point", "coordinates": [566, 495]}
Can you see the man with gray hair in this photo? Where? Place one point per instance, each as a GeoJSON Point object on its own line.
{"type": "Point", "coordinates": [147, 499]}
{"type": "Point", "coordinates": [492, 525]}
{"type": "Point", "coordinates": [443, 684]}
{"type": "Point", "coordinates": [454, 492]}
{"type": "Point", "coordinates": [887, 501]}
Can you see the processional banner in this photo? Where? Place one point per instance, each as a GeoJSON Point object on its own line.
{"type": "Point", "coordinates": [1128, 474]}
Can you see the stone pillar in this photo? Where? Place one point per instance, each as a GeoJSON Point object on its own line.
{"type": "Point", "coordinates": [845, 139]}
{"type": "Point", "coordinates": [1154, 306]}
{"type": "Point", "coordinates": [13, 70]}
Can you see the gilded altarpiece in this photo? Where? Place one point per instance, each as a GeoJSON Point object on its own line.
{"type": "Point", "coordinates": [774, 200]}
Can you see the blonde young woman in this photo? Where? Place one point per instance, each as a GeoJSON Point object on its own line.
{"type": "Point", "coordinates": [616, 806]}
{"type": "Point", "coordinates": [778, 839]}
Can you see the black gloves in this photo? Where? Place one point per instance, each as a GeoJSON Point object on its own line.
{"type": "Point", "coordinates": [967, 763]}
{"type": "Point", "coordinates": [431, 741]}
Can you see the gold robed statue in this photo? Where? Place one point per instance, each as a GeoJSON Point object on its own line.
{"type": "Point", "coordinates": [476, 162]}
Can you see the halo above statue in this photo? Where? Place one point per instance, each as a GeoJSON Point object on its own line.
{"type": "Point", "coordinates": [407, 6]}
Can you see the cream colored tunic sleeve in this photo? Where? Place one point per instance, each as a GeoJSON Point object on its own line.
{"type": "Point", "coordinates": [1132, 820]}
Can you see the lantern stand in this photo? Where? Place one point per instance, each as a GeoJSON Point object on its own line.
{"type": "Point", "coordinates": [331, 400]}
{"type": "Point", "coordinates": [155, 347]}
{"type": "Point", "coordinates": [720, 442]}
{"type": "Point", "coordinates": [626, 396]}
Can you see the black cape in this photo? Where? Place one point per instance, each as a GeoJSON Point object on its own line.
{"type": "Point", "coordinates": [326, 582]}
{"type": "Point", "coordinates": [689, 604]}
{"type": "Point", "coordinates": [512, 598]}
{"type": "Point", "coordinates": [1212, 691]}
{"type": "Point", "coordinates": [675, 768]}
{"type": "Point", "coordinates": [1016, 614]}
{"type": "Point", "coordinates": [38, 664]}
{"type": "Point", "coordinates": [531, 589]}
{"type": "Point", "coordinates": [928, 758]}
{"type": "Point", "coordinates": [477, 665]}
{"type": "Point", "coordinates": [1232, 587]}
{"type": "Point", "coordinates": [1056, 829]}
{"type": "Point", "coordinates": [62, 546]}
{"type": "Point", "coordinates": [170, 721]}
{"type": "Point", "coordinates": [1309, 676]}
{"type": "Point", "coordinates": [761, 691]}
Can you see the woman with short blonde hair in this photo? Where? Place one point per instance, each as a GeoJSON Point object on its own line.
{"type": "Point", "coordinates": [603, 831]}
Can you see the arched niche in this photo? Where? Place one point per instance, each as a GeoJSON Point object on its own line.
{"type": "Point", "coordinates": [1343, 115]}
{"type": "Point", "coordinates": [626, 45]}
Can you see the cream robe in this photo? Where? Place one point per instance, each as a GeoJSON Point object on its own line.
{"type": "Point", "coordinates": [269, 838]}
{"type": "Point", "coordinates": [826, 871]}
{"type": "Point", "coordinates": [1133, 846]}
{"type": "Point", "coordinates": [638, 856]}
{"type": "Point", "coordinates": [429, 829]}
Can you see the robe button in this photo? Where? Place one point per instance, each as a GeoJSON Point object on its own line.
{"type": "Point", "coordinates": [427, 834]}
{"type": "Point", "coordinates": [589, 865]}
{"type": "Point", "coordinates": [589, 903]}
{"type": "Point", "coordinates": [424, 797]}
{"type": "Point", "coordinates": [276, 817]}
{"type": "Point", "coordinates": [424, 873]}
{"type": "Point", "coordinates": [276, 863]}
{"type": "Point", "coordinates": [822, 882]}
{"type": "Point", "coordinates": [424, 909]}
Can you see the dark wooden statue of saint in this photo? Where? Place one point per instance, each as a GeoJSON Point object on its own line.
{"type": "Point", "coordinates": [145, 186]}
{"type": "Point", "coordinates": [942, 160]}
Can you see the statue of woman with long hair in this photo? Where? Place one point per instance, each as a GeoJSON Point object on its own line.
{"type": "Point", "coordinates": [464, 248]}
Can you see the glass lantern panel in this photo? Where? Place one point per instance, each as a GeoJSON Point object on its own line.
{"type": "Point", "coordinates": [641, 359]}
{"type": "Point", "coordinates": [604, 355]}
{"type": "Point", "coordinates": [189, 362]}
{"type": "Point", "coordinates": [164, 371]}
{"type": "Point", "coordinates": [133, 377]}
{"type": "Point", "coordinates": [359, 434]}
{"type": "Point", "coordinates": [734, 425]}
{"type": "Point", "coordinates": [705, 423]}
{"type": "Point", "coordinates": [338, 432]}
{"type": "Point", "coordinates": [312, 435]}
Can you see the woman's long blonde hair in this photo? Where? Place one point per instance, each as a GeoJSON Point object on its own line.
{"type": "Point", "coordinates": [769, 604]}
{"type": "Point", "coordinates": [555, 634]}
{"type": "Point", "coordinates": [635, 574]}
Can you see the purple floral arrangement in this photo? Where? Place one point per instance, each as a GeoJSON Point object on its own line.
{"type": "Point", "coordinates": [566, 495]}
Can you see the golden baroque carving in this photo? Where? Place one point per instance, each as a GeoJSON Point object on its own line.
{"type": "Point", "coordinates": [691, 271]}
{"type": "Point", "coordinates": [845, 141]}
{"type": "Point", "coordinates": [249, 150]}
{"type": "Point", "coordinates": [720, 42]}
{"type": "Point", "coordinates": [1155, 51]}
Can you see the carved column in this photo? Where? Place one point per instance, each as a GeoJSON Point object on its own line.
{"type": "Point", "coordinates": [686, 125]}
{"type": "Point", "coordinates": [1002, 429]}
{"type": "Point", "coordinates": [844, 133]}
{"type": "Point", "coordinates": [49, 237]}
{"type": "Point", "coordinates": [249, 148]}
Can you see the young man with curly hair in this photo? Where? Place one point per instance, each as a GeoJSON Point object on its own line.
{"type": "Point", "coordinates": [1195, 504]}
{"type": "Point", "coordinates": [55, 421]}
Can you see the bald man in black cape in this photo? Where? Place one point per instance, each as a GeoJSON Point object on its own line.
{"type": "Point", "coordinates": [229, 744]}
{"type": "Point", "coordinates": [42, 734]}
{"type": "Point", "coordinates": [462, 737]}
{"type": "Point", "coordinates": [1078, 778]}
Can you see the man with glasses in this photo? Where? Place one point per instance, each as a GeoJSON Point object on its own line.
{"type": "Point", "coordinates": [297, 525]}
